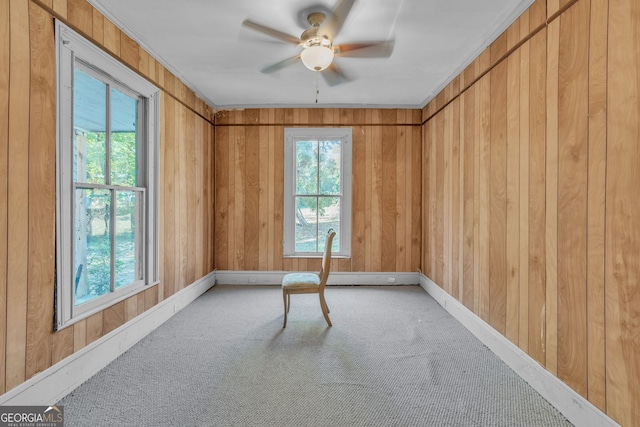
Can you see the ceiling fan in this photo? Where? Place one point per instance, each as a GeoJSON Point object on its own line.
{"type": "Point", "coordinates": [317, 42]}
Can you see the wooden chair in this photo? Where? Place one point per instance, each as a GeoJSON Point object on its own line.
{"type": "Point", "coordinates": [309, 283]}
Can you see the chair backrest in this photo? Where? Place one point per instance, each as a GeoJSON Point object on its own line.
{"type": "Point", "coordinates": [326, 258]}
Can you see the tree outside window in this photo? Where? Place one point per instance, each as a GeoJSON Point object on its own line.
{"type": "Point", "coordinates": [317, 190]}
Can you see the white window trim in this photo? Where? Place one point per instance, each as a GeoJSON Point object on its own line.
{"type": "Point", "coordinates": [70, 45]}
{"type": "Point", "coordinates": [291, 135]}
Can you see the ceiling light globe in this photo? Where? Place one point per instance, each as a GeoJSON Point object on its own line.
{"type": "Point", "coordinates": [317, 58]}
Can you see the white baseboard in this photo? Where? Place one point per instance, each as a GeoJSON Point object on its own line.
{"type": "Point", "coordinates": [227, 277]}
{"type": "Point", "coordinates": [572, 405]}
{"type": "Point", "coordinates": [52, 384]}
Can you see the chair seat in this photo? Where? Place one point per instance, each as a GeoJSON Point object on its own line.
{"type": "Point", "coordinates": [300, 280]}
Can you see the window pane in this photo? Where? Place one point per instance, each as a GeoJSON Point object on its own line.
{"type": "Point", "coordinates": [92, 252]}
{"type": "Point", "coordinates": [127, 242]}
{"type": "Point", "coordinates": [328, 217]}
{"type": "Point", "coordinates": [89, 123]}
{"type": "Point", "coordinates": [306, 224]}
{"type": "Point", "coordinates": [124, 116]}
{"type": "Point", "coordinates": [330, 167]}
{"type": "Point", "coordinates": [307, 167]}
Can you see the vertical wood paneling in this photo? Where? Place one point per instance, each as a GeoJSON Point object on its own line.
{"type": "Point", "coordinates": [222, 179]}
{"type": "Point", "coordinates": [111, 36]}
{"type": "Point", "coordinates": [263, 251]}
{"type": "Point", "coordinates": [150, 297]}
{"type": "Point", "coordinates": [42, 191]}
{"type": "Point", "coordinates": [571, 157]}
{"type": "Point", "coordinates": [428, 185]}
{"type": "Point", "coordinates": [210, 143]}
{"type": "Point", "coordinates": [447, 145]}
{"type": "Point", "coordinates": [477, 261]}
{"type": "Point", "coordinates": [523, 309]}
{"type": "Point", "coordinates": [402, 208]}
{"type": "Point", "coordinates": [278, 196]}
{"type": "Point", "coordinates": [573, 134]}
{"type": "Point", "coordinates": [168, 196]}
{"type": "Point", "coordinates": [80, 14]}
{"type": "Point", "coordinates": [358, 156]}
{"type": "Point", "coordinates": [191, 205]}
{"type": "Point", "coordinates": [31, 344]}
{"type": "Point", "coordinates": [439, 171]}
{"type": "Point", "coordinates": [456, 217]}
{"type": "Point", "coordinates": [98, 28]}
{"type": "Point", "coordinates": [484, 196]}
{"type": "Point", "coordinates": [18, 190]}
{"type": "Point", "coordinates": [537, 14]}
{"type": "Point", "coordinates": [180, 174]}
{"type": "Point", "coordinates": [239, 198]}
{"type": "Point", "coordinates": [512, 255]}
{"type": "Point", "coordinates": [140, 302]}
{"type": "Point", "coordinates": [60, 7]}
{"type": "Point", "coordinates": [386, 189]}
{"type": "Point", "coordinates": [537, 127]}
{"type": "Point", "coordinates": [199, 199]}
{"type": "Point", "coordinates": [271, 190]}
{"type": "Point", "coordinates": [498, 199]}
{"type": "Point", "coordinates": [130, 308]}
{"type": "Point", "coordinates": [367, 198]}
{"type": "Point", "coordinates": [553, 6]}
{"type": "Point", "coordinates": [551, 200]}
{"type": "Point", "coordinates": [388, 200]}
{"type": "Point", "coordinates": [129, 51]}
{"type": "Point", "coordinates": [27, 189]}
{"type": "Point", "coordinates": [113, 317]}
{"type": "Point", "coordinates": [62, 345]}
{"type": "Point", "coordinates": [622, 266]}
{"type": "Point", "coordinates": [416, 194]}
{"type": "Point", "coordinates": [94, 327]}
{"type": "Point", "coordinates": [596, 174]}
{"type": "Point", "coordinates": [79, 334]}
{"type": "Point", "coordinates": [376, 196]}
{"type": "Point", "coordinates": [596, 361]}
{"type": "Point", "coordinates": [251, 197]}
{"type": "Point", "coordinates": [468, 139]}
{"type": "Point", "coordinates": [4, 153]}
{"type": "Point", "coordinates": [162, 180]}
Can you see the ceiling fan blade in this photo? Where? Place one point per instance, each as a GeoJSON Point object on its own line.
{"type": "Point", "coordinates": [337, 18]}
{"type": "Point", "coordinates": [334, 75]}
{"type": "Point", "coordinates": [271, 32]}
{"type": "Point", "coordinates": [280, 65]}
{"type": "Point", "coordinates": [372, 49]}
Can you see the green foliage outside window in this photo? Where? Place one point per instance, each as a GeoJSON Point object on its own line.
{"type": "Point", "coordinates": [317, 173]}
{"type": "Point", "coordinates": [97, 208]}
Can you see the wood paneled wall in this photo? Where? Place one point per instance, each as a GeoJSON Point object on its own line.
{"type": "Point", "coordinates": [527, 209]}
{"type": "Point", "coordinates": [531, 208]}
{"type": "Point", "coordinates": [28, 344]}
{"type": "Point", "coordinates": [386, 170]}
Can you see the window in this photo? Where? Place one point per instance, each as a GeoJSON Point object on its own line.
{"type": "Point", "coordinates": [317, 191]}
{"type": "Point", "coordinates": [107, 164]}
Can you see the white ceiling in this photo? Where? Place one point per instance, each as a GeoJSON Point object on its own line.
{"type": "Point", "coordinates": [204, 44]}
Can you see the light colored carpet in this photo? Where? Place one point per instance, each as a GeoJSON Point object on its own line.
{"type": "Point", "coordinates": [394, 357]}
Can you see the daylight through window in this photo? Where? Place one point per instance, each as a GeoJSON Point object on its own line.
{"type": "Point", "coordinates": [107, 162]}
{"type": "Point", "coordinates": [317, 190]}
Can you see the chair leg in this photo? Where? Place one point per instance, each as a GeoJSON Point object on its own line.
{"type": "Point", "coordinates": [322, 299]}
{"type": "Point", "coordinates": [284, 297]}
{"type": "Point", "coordinates": [325, 308]}
{"type": "Point", "coordinates": [288, 302]}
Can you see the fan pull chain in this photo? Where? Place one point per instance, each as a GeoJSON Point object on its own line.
{"type": "Point", "coordinates": [317, 88]}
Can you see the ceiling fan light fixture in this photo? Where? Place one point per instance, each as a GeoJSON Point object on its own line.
{"type": "Point", "coordinates": [317, 58]}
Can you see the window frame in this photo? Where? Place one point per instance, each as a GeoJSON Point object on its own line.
{"type": "Point", "coordinates": [291, 136]}
{"type": "Point", "coordinates": [69, 47]}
